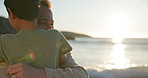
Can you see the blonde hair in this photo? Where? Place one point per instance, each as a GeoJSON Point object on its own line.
{"type": "Point", "coordinates": [45, 3]}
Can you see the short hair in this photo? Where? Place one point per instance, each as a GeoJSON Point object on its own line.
{"type": "Point", "coordinates": [44, 3]}
{"type": "Point", "coordinates": [23, 9]}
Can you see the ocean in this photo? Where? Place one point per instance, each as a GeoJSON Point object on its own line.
{"type": "Point", "coordinates": [112, 58]}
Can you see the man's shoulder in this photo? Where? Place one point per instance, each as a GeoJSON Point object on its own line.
{"type": "Point", "coordinates": [7, 36]}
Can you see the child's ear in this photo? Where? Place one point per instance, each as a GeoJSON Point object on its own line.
{"type": "Point", "coordinates": [11, 15]}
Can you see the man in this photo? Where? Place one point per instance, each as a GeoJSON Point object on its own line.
{"type": "Point", "coordinates": [5, 27]}
{"type": "Point", "coordinates": [45, 19]}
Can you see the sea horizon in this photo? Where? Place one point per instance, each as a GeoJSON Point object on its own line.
{"type": "Point", "coordinates": [109, 58]}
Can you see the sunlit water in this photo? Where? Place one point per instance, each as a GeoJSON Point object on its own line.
{"type": "Point", "coordinates": [118, 60]}
{"type": "Point", "coordinates": [101, 55]}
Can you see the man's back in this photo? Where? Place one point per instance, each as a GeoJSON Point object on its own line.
{"type": "Point", "coordinates": [5, 27]}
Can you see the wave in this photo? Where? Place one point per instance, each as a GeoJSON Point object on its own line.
{"type": "Point", "coordinates": [133, 72]}
{"type": "Point", "coordinates": [135, 40]}
{"type": "Point", "coordinates": [109, 40]}
{"type": "Point", "coordinates": [87, 39]}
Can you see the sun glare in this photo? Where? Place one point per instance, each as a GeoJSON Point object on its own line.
{"type": "Point", "coordinates": [117, 19]}
{"type": "Point", "coordinates": [118, 58]}
{"type": "Point", "coordinates": [117, 39]}
{"type": "Point", "coordinates": [117, 25]}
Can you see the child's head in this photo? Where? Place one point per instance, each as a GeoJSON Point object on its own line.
{"type": "Point", "coordinates": [23, 9]}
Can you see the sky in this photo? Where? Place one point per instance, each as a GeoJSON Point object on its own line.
{"type": "Point", "coordinates": [100, 18]}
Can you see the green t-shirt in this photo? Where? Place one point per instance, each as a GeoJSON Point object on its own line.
{"type": "Point", "coordinates": [39, 48]}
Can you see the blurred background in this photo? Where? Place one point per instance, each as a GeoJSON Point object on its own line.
{"type": "Point", "coordinates": [109, 37]}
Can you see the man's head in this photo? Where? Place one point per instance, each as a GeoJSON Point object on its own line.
{"type": "Point", "coordinates": [23, 9]}
{"type": "Point", "coordinates": [45, 19]}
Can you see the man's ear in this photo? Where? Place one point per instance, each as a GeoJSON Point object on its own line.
{"type": "Point", "coordinates": [11, 15]}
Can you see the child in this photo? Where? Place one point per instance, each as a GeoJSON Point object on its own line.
{"type": "Point", "coordinates": [31, 45]}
